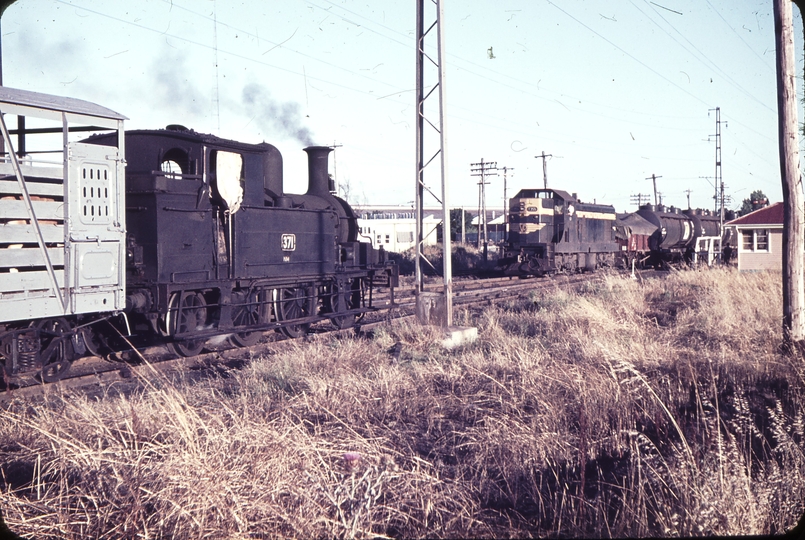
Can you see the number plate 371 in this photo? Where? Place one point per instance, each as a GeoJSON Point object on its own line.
{"type": "Point", "coordinates": [288, 242]}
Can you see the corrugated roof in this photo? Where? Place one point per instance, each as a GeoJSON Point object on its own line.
{"type": "Point", "coordinates": [770, 215]}
{"type": "Point", "coordinates": [56, 103]}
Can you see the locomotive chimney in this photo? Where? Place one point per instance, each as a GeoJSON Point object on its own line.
{"type": "Point", "coordinates": [318, 171]}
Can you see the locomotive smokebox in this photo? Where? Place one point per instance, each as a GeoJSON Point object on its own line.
{"type": "Point", "coordinates": [318, 170]}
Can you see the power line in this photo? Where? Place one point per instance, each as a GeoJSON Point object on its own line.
{"type": "Point", "coordinates": [712, 64]}
{"type": "Point", "coordinates": [762, 61]}
{"type": "Point", "coordinates": [259, 62]}
{"type": "Point", "coordinates": [495, 79]}
{"type": "Point", "coordinates": [651, 69]}
{"type": "Point", "coordinates": [234, 54]}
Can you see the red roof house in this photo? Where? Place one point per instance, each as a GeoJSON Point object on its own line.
{"type": "Point", "coordinates": [758, 237]}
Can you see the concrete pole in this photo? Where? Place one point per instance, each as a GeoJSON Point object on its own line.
{"type": "Point", "coordinates": [447, 247]}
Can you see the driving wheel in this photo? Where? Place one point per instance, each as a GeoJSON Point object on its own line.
{"type": "Point", "coordinates": [256, 310]}
{"type": "Point", "coordinates": [293, 303]}
{"type": "Point", "coordinates": [187, 313]}
{"type": "Point", "coordinates": [343, 299]}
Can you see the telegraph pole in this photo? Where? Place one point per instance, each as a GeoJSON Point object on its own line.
{"type": "Point", "coordinates": [653, 178]}
{"type": "Point", "coordinates": [544, 167]}
{"type": "Point", "coordinates": [483, 169]}
{"type": "Point", "coordinates": [793, 204]}
{"type": "Point", "coordinates": [505, 204]}
{"type": "Point", "coordinates": [639, 199]}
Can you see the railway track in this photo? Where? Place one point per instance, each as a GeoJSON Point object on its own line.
{"type": "Point", "coordinates": [137, 368]}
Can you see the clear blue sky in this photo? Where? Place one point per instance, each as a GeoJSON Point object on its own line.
{"type": "Point", "coordinates": [615, 91]}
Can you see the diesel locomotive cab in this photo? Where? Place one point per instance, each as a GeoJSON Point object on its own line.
{"type": "Point", "coordinates": [552, 231]}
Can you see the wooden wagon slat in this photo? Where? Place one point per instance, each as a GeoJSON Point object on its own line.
{"type": "Point", "coordinates": [11, 187]}
{"type": "Point", "coordinates": [25, 234]}
{"type": "Point", "coordinates": [47, 210]}
{"type": "Point", "coordinates": [54, 173]}
{"type": "Point", "coordinates": [26, 257]}
{"type": "Point", "coordinates": [29, 281]}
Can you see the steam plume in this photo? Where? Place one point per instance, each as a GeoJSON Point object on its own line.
{"type": "Point", "coordinates": [271, 115]}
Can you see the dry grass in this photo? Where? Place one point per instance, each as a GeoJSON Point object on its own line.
{"type": "Point", "coordinates": [619, 409]}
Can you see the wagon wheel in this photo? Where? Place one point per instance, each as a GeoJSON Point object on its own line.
{"type": "Point", "coordinates": [102, 338]}
{"type": "Point", "coordinates": [187, 313]}
{"type": "Point", "coordinates": [257, 310]}
{"type": "Point", "coordinates": [343, 299]}
{"type": "Point", "coordinates": [293, 303]}
{"type": "Point", "coordinates": [55, 350]}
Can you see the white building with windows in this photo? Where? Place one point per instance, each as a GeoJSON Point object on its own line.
{"type": "Point", "coordinates": [759, 238]}
{"type": "Point", "coordinates": [395, 229]}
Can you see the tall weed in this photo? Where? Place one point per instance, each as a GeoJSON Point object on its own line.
{"type": "Point", "coordinates": [621, 408]}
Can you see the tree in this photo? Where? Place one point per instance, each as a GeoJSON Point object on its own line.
{"type": "Point", "coordinates": [793, 204]}
{"type": "Point", "coordinates": [455, 225]}
{"type": "Point", "coordinates": [755, 201]}
{"type": "Point", "coordinates": [455, 222]}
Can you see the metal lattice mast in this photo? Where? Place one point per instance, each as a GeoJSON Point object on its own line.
{"type": "Point", "coordinates": [719, 181]}
{"type": "Point", "coordinates": [440, 130]}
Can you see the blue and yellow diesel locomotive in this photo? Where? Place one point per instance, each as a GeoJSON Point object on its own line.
{"type": "Point", "coordinates": [552, 231]}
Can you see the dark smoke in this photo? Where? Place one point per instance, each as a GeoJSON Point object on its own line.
{"type": "Point", "coordinates": [273, 116]}
{"type": "Point", "coordinates": [174, 86]}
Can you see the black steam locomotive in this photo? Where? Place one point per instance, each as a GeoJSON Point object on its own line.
{"type": "Point", "coordinates": [198, 240]}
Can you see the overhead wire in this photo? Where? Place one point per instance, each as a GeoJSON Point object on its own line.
{"type": "Point", "coordinates": [496, 76]}
{"type": "Point", "coordinates": [406, 43]}
{"type": "Point", "coordinates": [496, 79]}
{"type": "Point", "coordinates": [228, 52]}
{"type": "Point", "coordinates": [762, 61]}
{"type": "Point", "coordinates": [397, 91]}
{"type": "Point", "coordinates": [700, 56]}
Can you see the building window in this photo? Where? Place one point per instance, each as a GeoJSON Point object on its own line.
{"type": "Point", "coordinates": [755, 240]}
{"type": "Point", "coordinates": [748, 240]}
{"type": "Point", "coordinates": [762, 240]}
{"type": "Point", "coordinates": [388, 238]}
